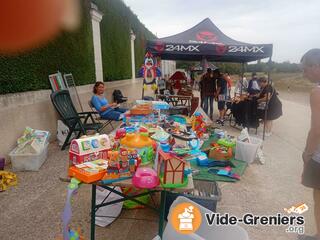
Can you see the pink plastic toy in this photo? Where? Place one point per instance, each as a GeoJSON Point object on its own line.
{"type": "Point", "coordinates": [145, 178]}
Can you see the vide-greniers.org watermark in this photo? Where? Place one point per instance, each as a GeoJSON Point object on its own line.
{"type": "Point", "coordinates": [294, 223]}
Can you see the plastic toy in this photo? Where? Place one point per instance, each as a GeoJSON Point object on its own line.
{"type": "Point", "coordinates": [170, 169]}
{"type": "Point", "coordinates": [185, 136]}
{"type": "Point", "coordinates": [89, 172]}
{"type": "Point", "coordinates": [73, 235]}
{"type": "Point", "coordinates": [194, 144]}
{"type": "Point", "coordinates": [136, 140]}
{"type": "Point", "coordinates": [69, 234]}
{"type": "Point", "coordinates": [149, 72]}
{"type": "Point", "coordinates": [120, 133]}
{"type": "Point", "coordinates": [7, 179]}
{"type": "Point", "coordinates": [219, 152]}
{"type": "Point", "coordinates": [160, 136]}
{"type": "Point", "coordinates": [156, 105]}
{"type": "Point", "coordinates": [142, 143]}
{"type": "Point", "coordinates": [198, 124]}
{"type": "Point", "coordinates": [129, 204]}
{"type": "Point", "coordinates": [202, 160]}
{"type": "Point", "coordinates": [121, 165]}
{"type": "Point", "coordinates": [131, 129]}
{"type": "Point", "coordinates": [134, 160]}
{"type": "Point", "coordinates": [226, 142]}
{"type": "Point", "coordinates": [178, 118]}
{"type": "Point", "coordinates": [141, 109]}
{"type": "Point", "coordinates": [226, 172]}
{"type": "Point", "coordinates": [145, 178]}
{"type": "Point", "coordinates": [165, 146]}
{"type": "Point", "coordinates": [89, 149]}
{"type": "Point", "coordinates": [220, 164]}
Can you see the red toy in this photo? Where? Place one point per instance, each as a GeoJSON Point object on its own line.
{"type": "Point", "coordinates": [89, 149]}
{"type": "Point", "coordinates": [170, 169]}
{"type": "Point", "coordinates": [198, 124]}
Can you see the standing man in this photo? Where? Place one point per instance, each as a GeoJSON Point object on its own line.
{"type": "Point", "coordinates": [207, 90]}
{"type": "Point", "coordinates": [229, 83]}
{"type": "Point", "coordinates": [222, 92]}
{"type": "Point", "coordinates": [311, 155]}
{"type": "Point", "coordinates": [253, 86]}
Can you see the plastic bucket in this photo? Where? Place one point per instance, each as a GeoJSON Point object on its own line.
{"type": "Point", "coordinates": [248, 151]}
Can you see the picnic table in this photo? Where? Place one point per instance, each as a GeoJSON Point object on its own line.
{"type": "Point", "coordinates": [127, 183]}
{"type": "Point", "coordinates": [177, 101]}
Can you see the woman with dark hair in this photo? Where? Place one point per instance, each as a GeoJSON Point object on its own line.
{"type": "Point", "coordinates": [268, 98]}
{"type": "Point", "coordinates": [107, 111]}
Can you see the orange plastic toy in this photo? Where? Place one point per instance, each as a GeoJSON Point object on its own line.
{"type": "Point", "coordinates": [141, 109]}
{"type": "Point", "coordinates": [90, 171]}
{"type": "Point", "coordinates": [137, 140]}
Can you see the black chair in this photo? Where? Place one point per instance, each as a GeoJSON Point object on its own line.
{"type": "Point", "coordinates": [76, 122]}
{"type": "Point", "coordinates": [118, 97]}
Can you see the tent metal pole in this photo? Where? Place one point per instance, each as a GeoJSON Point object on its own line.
{"type": "Point", "coordinates": [267, 101]}
{"type": "Point", "coordinates": [241, 80]}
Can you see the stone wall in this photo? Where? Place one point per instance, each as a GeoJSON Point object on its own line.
{"type": "Point", "coordinates": [34, 109]}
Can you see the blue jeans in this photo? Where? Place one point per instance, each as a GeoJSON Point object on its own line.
{"type": "Point", "coordinates": [205, 106]}
{"type": "Point", "coordinates": [113, 114]}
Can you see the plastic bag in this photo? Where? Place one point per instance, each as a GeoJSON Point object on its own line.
{"type": "Point", "coordinates": [244, 136]}
{"type": "Point", "coordinates": [112, 211]}
{"type": "Point", "coordinates": [62, 132]}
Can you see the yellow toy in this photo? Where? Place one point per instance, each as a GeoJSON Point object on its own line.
{"type": "Point", "coordinates": [7, 179]}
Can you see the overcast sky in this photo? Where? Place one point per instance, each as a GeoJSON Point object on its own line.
{"type": "Point", "coordinates": [293, 26]}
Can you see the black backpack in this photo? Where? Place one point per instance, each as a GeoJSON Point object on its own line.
{"type": "Point", "coordinates": [118, 96]}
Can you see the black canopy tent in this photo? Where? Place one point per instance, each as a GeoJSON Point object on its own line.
{"type": "Point", "coordinates": [206, 41]}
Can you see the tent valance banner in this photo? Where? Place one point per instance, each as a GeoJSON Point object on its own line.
{"type": "Point", "coordinates": [205, 40]}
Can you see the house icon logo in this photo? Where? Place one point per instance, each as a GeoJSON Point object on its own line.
{"type": "Point", "coordinates": [185, 218]}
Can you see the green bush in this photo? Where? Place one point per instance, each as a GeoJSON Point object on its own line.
{"type": "Point", "coordinates": [70, 52]}
{"type": "Point", "coordinates": [115, 27]}
{"type": "Point", "coordinates": [73, 52]}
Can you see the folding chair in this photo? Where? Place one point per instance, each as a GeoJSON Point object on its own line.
{"type": "Point", "coordinates": [97, 117]}
{"type": "Point", "coordinates": [62, 102]}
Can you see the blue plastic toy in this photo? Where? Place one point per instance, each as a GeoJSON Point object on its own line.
{"type": "Point", "coordinates": [202, 160]}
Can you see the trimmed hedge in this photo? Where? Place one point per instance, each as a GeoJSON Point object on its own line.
{"type": "Point", "coordinates": [70, 52]}
{"type": "Point", "coordinates": [73, 52]}
{"type": "Point", "coordinates": [115, 27]}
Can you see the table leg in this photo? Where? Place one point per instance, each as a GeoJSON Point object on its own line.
{"type": "Point", "coordinates": [93, 211]}
{"type": "Point", "coordinates": [162, 212]}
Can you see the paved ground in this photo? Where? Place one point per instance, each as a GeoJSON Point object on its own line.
{"type": "Point", "coordinates": [32, 209]}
